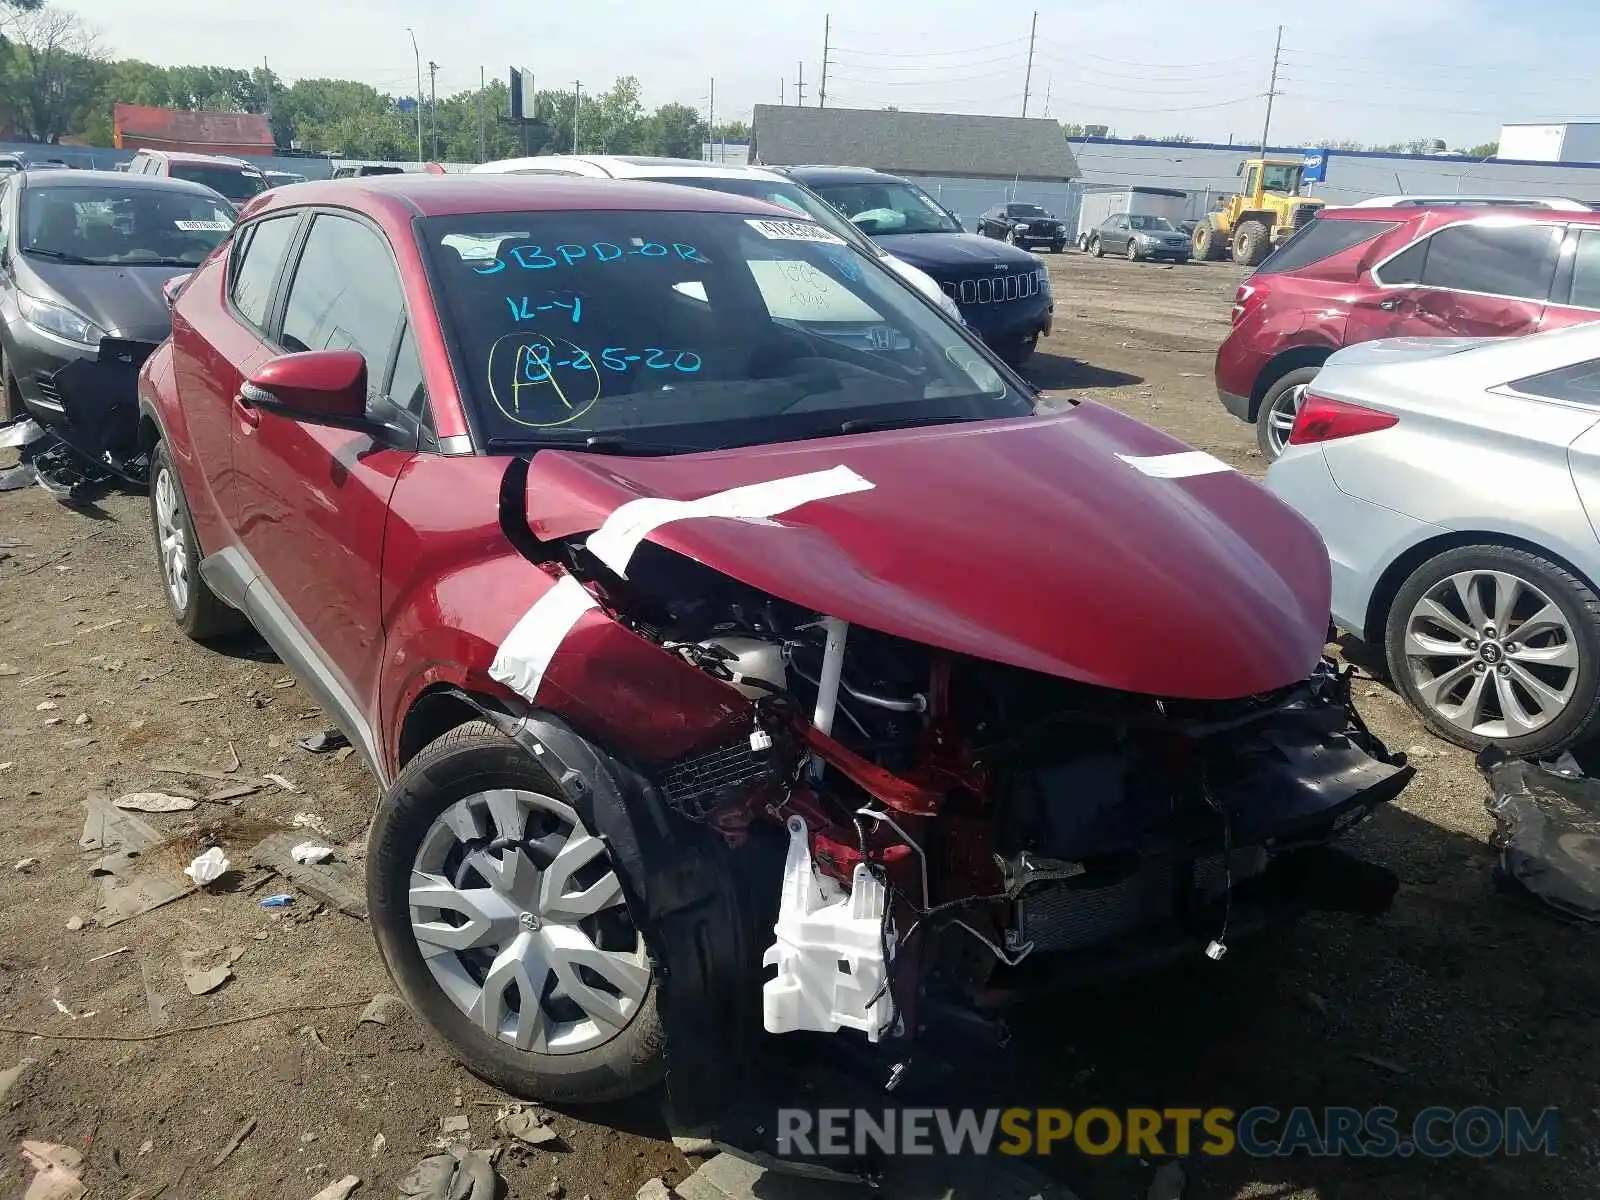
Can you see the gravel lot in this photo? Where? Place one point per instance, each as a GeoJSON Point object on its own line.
{"type": "Point", "coordinates": [1459, 997]}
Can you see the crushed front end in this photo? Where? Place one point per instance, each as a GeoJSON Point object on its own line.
{"type": "Point", "coordinates": [963, 834]}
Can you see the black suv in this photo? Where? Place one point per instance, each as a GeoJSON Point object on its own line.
{"type": "Point", "coordinates": [1024, 225]}
{"type": "Point", "coordinates": [1003, 291]}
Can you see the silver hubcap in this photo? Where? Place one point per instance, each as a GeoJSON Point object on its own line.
{"type": "Point", "coordinates": [169, 538]}
{"type": "Point", "coordinates": [1491, 654]}
{"type": "Point", "coordinates": [520, 917]}
{"type": "Point", "coordinates": [1280, 417]}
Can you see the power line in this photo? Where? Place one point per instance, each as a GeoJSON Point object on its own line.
{"type": "Point", "coordinates": [1122, 62]}
{"type": "Point", "coordinates": [921, 68]}
{"type": "Point", "coordinates": [937, 53]}
{"type": "Point", "coordinates": [924, 83]}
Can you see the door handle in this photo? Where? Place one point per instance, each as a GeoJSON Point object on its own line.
{"type": "Point", "coordinates": [1389, 305]}
{"type": "Point", "coordinates": [246, 411]}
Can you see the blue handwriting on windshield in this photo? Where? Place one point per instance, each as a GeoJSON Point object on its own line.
{"type": "Point", "coordinates": [844, 261]}
{"type": "Point", "coordinates": [524, 310]}
{"type": "Point", "coordinates": [538, 363]}
{"type": "Point", "coordinates": [535, 258]}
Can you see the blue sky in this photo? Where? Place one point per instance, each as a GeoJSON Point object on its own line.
{"type": "Point", "coordinates": [1370, 70]}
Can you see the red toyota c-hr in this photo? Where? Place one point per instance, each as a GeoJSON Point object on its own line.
{"type": "Point", "coordinates": [703, 599]}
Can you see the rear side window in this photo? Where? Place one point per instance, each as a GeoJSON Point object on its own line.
{"type": "Point", "coordinates": [1321, 239]}
{"type": "Point", "coordinates": [1585, 289]}
{"type": "Point", "coordinates": [1498, 260]}
{"type": "Point", "coordinates": [1577, 384]}
{"type": "Point", "coordinates": [261, 249]}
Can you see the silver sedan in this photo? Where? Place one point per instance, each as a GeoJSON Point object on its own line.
{"type": "Point", "coordinates": [1456, 483]}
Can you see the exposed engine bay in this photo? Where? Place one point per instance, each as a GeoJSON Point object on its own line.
{"type": "Point", "coordinates": [963, 834]}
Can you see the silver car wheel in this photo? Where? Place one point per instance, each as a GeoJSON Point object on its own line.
{"type": "Point", "coordinates": [172, 547]}
{"type": "Point", "coordinates": [520, 917]}
{"type": "Point", "coordinates": [1280, 420]}
{"type": "Point", "coordinates": [1491, 654]}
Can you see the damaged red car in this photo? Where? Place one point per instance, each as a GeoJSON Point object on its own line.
{"type": "Point", "coordinates": [740, 647]}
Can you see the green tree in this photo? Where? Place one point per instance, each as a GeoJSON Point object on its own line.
{"type": "Point", "coordinates": [52, 74]}
{"type": "Point", "coordinates": [1485, 150]}
{"type": "Point", "coordinates": [673, 130]}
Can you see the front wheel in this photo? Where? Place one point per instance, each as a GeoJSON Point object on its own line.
{"type": "Point", "coordinates": [1496, 646]}
{"type": "Point", "coordinates": [198, 611]}
{"type": "Point", "coordinates": [503, 922]}
{"type": "Point", "coordinates": [1279, 407]}
{"type": "Point", "coordinates": [1094, 248]}
{"type": "Point", "coordinates": [1132, 251]}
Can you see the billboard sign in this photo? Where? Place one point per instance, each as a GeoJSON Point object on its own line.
{"type": "Point", "coordinates": [1315, 169]}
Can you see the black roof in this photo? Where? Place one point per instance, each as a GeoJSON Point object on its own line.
{"type": "Point", "coordinates": [112, 181]}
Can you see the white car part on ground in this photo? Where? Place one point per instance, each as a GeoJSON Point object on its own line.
{"type": "Point", "coordinates": [819, 928]}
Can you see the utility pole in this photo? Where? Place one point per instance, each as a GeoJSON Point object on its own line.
{"type": "Point", "coordinates": [800, 84]}
{"type": "Point", "coordinates": [1049, 82]}
{"type": "Point", "coordinates": [418, 59]}
{"type": "Point", "coordinates": [433, 105]}
{"type": "Point", "coordinates": [822, 91]}
{"type": "Point", "coordinates": [1272, 90]}
{"type": "Point", "coordinates": [483, 144]}
{"type": "Point", "coordinates": [1027, 79]}
{"type": "Point", "coordinates": [577, 105]}
{"type": "Point", "coordinates": [711, 122]}
{"type": "Point", "coordinates": [781, 100]}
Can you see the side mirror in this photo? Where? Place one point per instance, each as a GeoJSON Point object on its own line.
{"type": "Point", "coordinates": [1239, 170]}
{"type": "Point", "coordinates": [173, 288]}
{"type": "Point", "coordinates": [325, 387]}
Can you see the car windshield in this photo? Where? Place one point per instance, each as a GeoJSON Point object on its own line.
{"type": "Point", "coordinates": [123, 226]}
{"type": "Point", "coordinates": [236, 183]}
{"type": "Point", "coordinates": [1150, 223]}
{"type": "Point", "coordinates": [1280, 177]}
{"type": "Point", "coordinates": [786, 195]}
{"type": "Point", "coordinates": [1027, 210]}
{"type": "Point", "coordinates": [661, 332]}
{"type": "Point", "coordinates": [888, 207]}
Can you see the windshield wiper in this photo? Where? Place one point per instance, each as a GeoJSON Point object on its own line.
{"type": "Point", "coordinates": [867, 425]}
{"type": "Point", "coordinates": [604, 443]}
{"type": "Point", "coordinates": [63, 256]}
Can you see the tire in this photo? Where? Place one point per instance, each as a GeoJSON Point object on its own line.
{"type": "Point", "coordinates": [1057, 247]}
{"type": "Point", "coordinates": [1544, 586]}
{"type": "Point", "coordinates": [1282, 400]}
{"type": "Point", "coordinates": [1083, 242]}
{"type": "Point", "coordinates": [196, 609]}
{"type": "Point", "coordinates": [11, 406]}
{"type": "Point", "coordinates": [1209, 244]}
{"type": "Point", "coordinates": [1252, 242]}
{"type": "Point", "coordinates": [1011, 238]}
{"type": "Point", "coordinates": [1017, 353]}
{"type": "Point", "coordinates": [1094, 248]}
{"type": "Point", "coordinates": [1132, 251]}
{"type": "Point", "coordinates": [467, 761]}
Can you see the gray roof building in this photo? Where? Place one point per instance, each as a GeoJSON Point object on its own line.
{"type": "Point", "coordinates": [907, 143]}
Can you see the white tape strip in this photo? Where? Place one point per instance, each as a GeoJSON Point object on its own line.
{"type": "Point", "coordinates": [525, 655]}
{"type": "Point", "coordinates": [615, 541]}
{"type": "Point", "coordinates": [1181, 465]}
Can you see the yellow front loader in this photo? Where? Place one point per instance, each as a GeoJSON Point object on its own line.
{"type": "Point", "coordinates": [1262, 215]}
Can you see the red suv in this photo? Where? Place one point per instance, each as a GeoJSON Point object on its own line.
{"type": "Point", "coordinates": [705, 599]}
{"type": "Point", "coordinates": [1356, 274]}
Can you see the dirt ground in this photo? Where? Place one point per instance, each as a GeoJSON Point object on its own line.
{"type": "Point", "coordinates": [1456, 998]}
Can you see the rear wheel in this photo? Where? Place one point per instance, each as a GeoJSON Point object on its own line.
{"type": "Point", "coordinates": [503, 921]}
{"type": "Point", "coordinates": [1279, 407]}
{"type": "Point", "coordinates": [1495, 646]}
{"type": "Point", "coordinates": [1252, 242]}
{"type": "Point", "coordinates": [1057, 247]}
{"type": "Point", "coordinates": [1209, 243]}
{"type": "Point", "coordinates": [198, 611]}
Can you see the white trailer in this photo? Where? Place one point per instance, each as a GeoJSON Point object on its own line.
{"type": "Point", "coordinates": [1099, 204]}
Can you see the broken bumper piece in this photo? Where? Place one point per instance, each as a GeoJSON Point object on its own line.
{"type": "Point", "coordinates": [1547, 831]}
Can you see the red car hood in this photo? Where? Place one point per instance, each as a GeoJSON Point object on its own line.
{"type": "Point", "coordinates": [1027, 541]}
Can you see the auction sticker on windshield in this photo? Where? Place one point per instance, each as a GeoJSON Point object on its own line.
{"type": "Point", "coordinates": [218, 226]}
{"type": "Point", "coordinates": [794, 231]}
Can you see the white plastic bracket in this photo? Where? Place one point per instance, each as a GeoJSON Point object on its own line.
{"type": "Point", "coordinates": [832, 969]}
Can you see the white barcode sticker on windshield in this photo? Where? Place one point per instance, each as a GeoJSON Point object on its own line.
{"type": "Point", "coordinates": [191, 226]}
{"type": "Point", "coordinates": [794, 231]}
